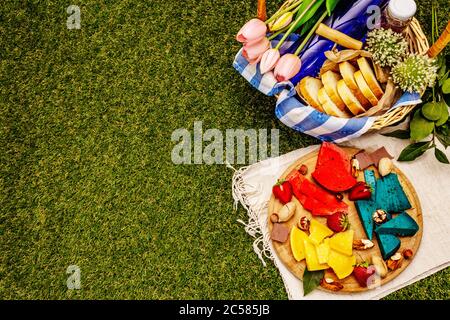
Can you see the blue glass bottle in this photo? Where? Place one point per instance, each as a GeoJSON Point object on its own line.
{"type": "Point", "coordinates": [350, 17]}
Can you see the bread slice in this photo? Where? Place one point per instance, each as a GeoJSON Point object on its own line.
{"type": "Point", "coordinates": [347, 71]}
{"type": "Point", "coordinates": [364, 87]}
{"type": "Point", "coordinates": [329, 80]}
{"type": "Point", "coordinates": [370, 77]}
{"type": "Point", "coordinates": [308, 88]}
{"type": "Point", "coordinates": [329, 107]}
{"type": "Point", "coordinates": [349, 98]}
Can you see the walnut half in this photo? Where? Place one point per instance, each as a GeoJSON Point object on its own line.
{"type": "Point", "coordinates": [330, 284]}
{"type": "Point", "coordinates": [362, 244]}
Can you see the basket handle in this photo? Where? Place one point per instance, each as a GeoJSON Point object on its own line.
{"type": "Point", "coordinates": [440, 43]}
{"type": "Point", "coordinates": [262, 12]}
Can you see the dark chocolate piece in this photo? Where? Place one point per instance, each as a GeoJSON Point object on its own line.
{"type": "Point", "coordinates": [364, 160]}
{"type": "Point", "coordinates": [279, 232]}
{"type": "Point", "coordinates": [378, 154]}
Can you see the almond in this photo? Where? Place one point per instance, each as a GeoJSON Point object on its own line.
{"type": "Point", "coordinates": [407, 254]}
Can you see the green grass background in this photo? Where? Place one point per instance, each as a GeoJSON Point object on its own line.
{"type": "Point", "coordinates": [86, 173]}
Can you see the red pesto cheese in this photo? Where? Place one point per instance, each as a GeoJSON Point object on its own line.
{"type": "Point", "coordinates": [313, 198]}
{"type": "Point", "coordinates": [333, 168]}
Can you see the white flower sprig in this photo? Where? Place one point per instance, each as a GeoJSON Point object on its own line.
{"type": "Point", "coordinates": [415, 73]}
{"type": "Point", "coordinates": [387, 47]}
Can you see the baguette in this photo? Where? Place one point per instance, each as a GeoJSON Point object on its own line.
{"type": "Point", "coordinates": [347, 72]}
{"type": "Point", "coordinates": [329, 80]}
{"type": "Point", "coordinates": [329, 107]}
{"type": "Point", "coordinates": [308, 88]}
{"type": "Point", "coordinates": [370, 77]}
{"type": "Point", "coordinates": [364, 87]}
{"type": "Point", "coordinates": [350, 100]}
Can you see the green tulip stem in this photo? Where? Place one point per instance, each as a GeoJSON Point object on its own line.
{"type": "Point", "coordinates": [278, 32]}
{"type": "Point", "coordinates": [310, 34]}
{"type": "Point", "coordinates": [279, 13]}
{"type": "Point", "coordinates": [293, 25]}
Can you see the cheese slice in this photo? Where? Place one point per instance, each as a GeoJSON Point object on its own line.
{"type": "Point", "coordinates": [365, 89]}
{"type": "Point", "coordinates": [309, 88]}
{"type": "Point", "coordinates": [370, 77]}
{"type": "Point", "coordinates": [329, 107]}
{"type": "Point", "coordinates": [330, 80]}
{"type": "Point", "coordinates": [347, 71]}
{"type": "Point", "coordinates": [350, 100]}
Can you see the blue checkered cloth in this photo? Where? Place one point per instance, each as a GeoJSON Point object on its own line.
{"type": "Point", "coordinates": [293, 113]}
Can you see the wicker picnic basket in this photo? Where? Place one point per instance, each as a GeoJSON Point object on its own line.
{"type": "Point", "coordinates": [417, 43]}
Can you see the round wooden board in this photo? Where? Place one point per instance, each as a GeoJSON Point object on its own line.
{"type": "Point", "coordinates": [350, 285]}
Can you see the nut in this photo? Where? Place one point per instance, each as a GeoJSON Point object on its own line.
{"type": "Point", "coordinates": [407, 254]}
{"type": "Point", "coordinates": [395, 262]}
{"type": "Point", "coordinates": [303, 169]}
{"type": "Point", "coordinates": [380, 266]}
{"type": "Point", "coordinates": [286, 212]}
{"type": "Point", "coordinates": [385, 166]}
{"type": "Point", "coordinates": [274, 218]}
{"type": "Point", "coordinates": [379, 216]}
{"type": "Point", "coordinates": [362, 244]}
{"type": "Point", "coordinates": [303, 223]}
{"type": "Point", "coordinates": [339, 196]}
{"type": "Point", "coordinates": [355, 168]}
{"type": "Point", "coordinates": [330, 284]}
{"type": "Point", "coordinates": [396, 256]}
{"type": "Point", "coordinates": [355, 164]}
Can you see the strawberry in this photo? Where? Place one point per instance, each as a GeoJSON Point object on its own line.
{"type": "Point", "coordinates": [362, 272]}
{"type": "Point", "coordinates": [338, 222]}
{"type": "Point", "coordinates": [282, 191]}
{"type": "Point", "coordinates": [360, 191]}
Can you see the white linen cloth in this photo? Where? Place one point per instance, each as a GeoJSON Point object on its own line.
{"type": "Point", "coordinates": [252, 187]}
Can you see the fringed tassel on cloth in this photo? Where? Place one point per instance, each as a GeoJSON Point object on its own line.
{"type": "Point", "coordinates": [242, 192]}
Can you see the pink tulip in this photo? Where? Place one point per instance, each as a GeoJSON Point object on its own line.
{"type": "Point", "coordinates": [254, 29]}
{"type": "Point", "coordinates": [253, 51]}
{"type": "Point", "coordinates": [287, 67]}
{"type": "Point", "coordinates": [268, 60]}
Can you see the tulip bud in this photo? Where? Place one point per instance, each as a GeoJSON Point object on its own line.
{"type": "Point", "coordinates": [283, 21]}
{"type": "Point", "coordinates": [254, 29]}
{"type": "Point", "coordinates": [287, 67]}
{"type": "Point", "coordinates": [253, 51]}
{"type": "Point", "coordinates": [268, 60]}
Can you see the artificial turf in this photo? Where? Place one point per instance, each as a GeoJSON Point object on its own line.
{"type": "Point", "coordinates": [86, 176]}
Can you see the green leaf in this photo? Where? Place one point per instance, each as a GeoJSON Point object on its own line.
{"type": "Point", "coordinates": [432, 111]}
{"type": "Point", "coordinates": [400, 134]}
{"type": "Point", "coordinates": [447, 99]}
{"type": "Point", "coordinates": [446, 86]}
{"type": "Point", "coordinates": [311, 280]}
{"type": "Point", "coordinates": [444, 114]}
{"type": "Point", "coordinates": [309, 14]}
{"type": "Point", "coordinates": [414, 151]}
{"type": "Point", "coordinates": [445, 140]}
{"type": "Point", "coordinates": [420, 127]}
{"type": "Point", "coordinates": [443, 79]}
{"type": "Point", "coordinates": [310, 23]}
{"type": "Point", "coordinates": [440, 156]}
{"type": "Point", "coordinates": [331, 5]}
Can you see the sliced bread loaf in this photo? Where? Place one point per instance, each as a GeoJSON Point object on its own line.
{"type": "Point", "coordinates": [364, 87]}
{"type": "Point", "coordinates": [309, 88]}
{"type": "Point", "coordinates": [329, 80]}
{"type": "Point", "coordinates": [329, 107]}
{"type": "Point", "coordinates": [370, 77]}
{"type": "Point", "coordinates": [350, 100]}
{"type": "Point", "coordinates": [347, 71]}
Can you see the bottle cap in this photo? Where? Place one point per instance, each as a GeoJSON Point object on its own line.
{"type": "Point", "coordinates": [402, 9]}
